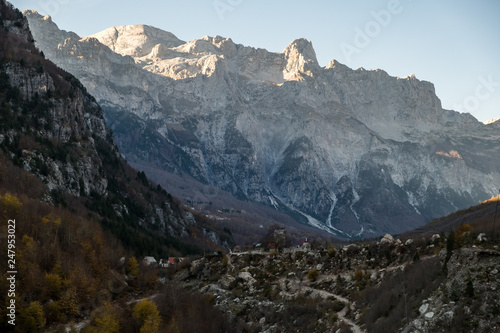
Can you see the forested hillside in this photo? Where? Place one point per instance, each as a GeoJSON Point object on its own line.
{"type": "Point", "coordinates": [53, 129]}
{"type": "Point", "coordinates": [76, 218]}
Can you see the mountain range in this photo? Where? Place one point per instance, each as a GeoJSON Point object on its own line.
{"type": "Point", "coordinates": [78, 220]}
{"type": "Point", "coordinates": [51, 128]}
{"type": "Point", "coordinates": [355, 153]}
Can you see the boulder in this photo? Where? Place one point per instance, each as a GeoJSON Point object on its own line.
{"type": "Point", "coordinates": [387, 239]}
{"type": "Point", "coordinates": [482, 237]}
{"type": "Point", "coordinates": [116, 283]}
{"type": "Point", "coordinates": [227, 281]}
{"type": "Point", "coordinates": [435, 237]}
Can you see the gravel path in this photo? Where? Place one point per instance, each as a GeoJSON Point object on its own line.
{"type": "Point", "coordinates": [325, 294]}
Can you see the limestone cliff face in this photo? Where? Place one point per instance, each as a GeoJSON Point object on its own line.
{"type": "Point", "coordinates": [56, 113]}
{"type": "Point", "coordinates": [70, 123]}
{"type": "Point", "coordinates": [136, 40]}
{"type": "Point", "coordinates": [353, 152]}
{"type": "Point", "coordinates": [51, 127]}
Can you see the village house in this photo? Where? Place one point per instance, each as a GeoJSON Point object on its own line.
{"type": "Point", "coordinates": [172, 261]}
{"type": "Point", "coordinates": [149, 261]}
{"type": "Point", "coordinates": [163, 264]}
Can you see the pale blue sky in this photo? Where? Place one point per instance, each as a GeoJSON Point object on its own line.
{"type": "Point", "coordinates": [453, 44]}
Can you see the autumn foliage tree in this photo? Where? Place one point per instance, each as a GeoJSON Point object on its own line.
{"type": "Point", "coordinates": [10, 206]}
{"type": "Point", "coordinates": [147, 316]}
{"type": "Point", "coordinates": [56, 275]}
{"type": "Point", "coordinates": [32, 317]}
{"type": "Point", "coordinates": [132, 266]}
{"type": "Point", "coordinates": [105, 319]}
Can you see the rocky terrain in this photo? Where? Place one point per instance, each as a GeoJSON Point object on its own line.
{"type": "Point", "coordinates": [83, 215]}
{"type": "Point", "coordinates": [468, 300]}
{"type": "Point", "coordinates": [74, 215]}
{"type": "Point", "coordinates": [393, 285]}
{"type": "Point", "coordinates": [355, 153]}
{"type": "Point", "coordinates": [52, 128]}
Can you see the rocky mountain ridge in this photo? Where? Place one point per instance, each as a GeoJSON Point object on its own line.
{"type": "Point", "coordinates": [65, 115]}
{"type": "Point", "coordinates": [52, 128]}
{"type": "Point", "coordinates": [52, 134]}
{"type": "Point", "coordinates": [352, 152]}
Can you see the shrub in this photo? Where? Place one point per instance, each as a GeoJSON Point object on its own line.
{"type": "Point", "coordinates": [33, 318]}
{"type": "Point", "coordinates": [469, 288]}
{"type": "Point", "coordinates": [338, 306]}
{"type": "Point", "coordinates": [69, 302]}
{"type": "Point", "coordinates": [147, 315]}
{"type": "Point", "coordinates": [361, 279]}
{"type": "Point", "coordinates": [54, 284]}
{"type": "Point", "coordinates": [52, 312]}
{"type": "Point", "coordinates": [332, 252]}
{"type": "Point", "coordinates": [312, 275]}
{"type": "Point", "coordinates": [133, 266]}
{"type": "Point", "coordinates": [332, 317]}
{"type": "Point", "coordinates": [10, 206]}
{"type": "Point", "coordinates": [106, 319]}
{"type": "Point", "coordinates": [225, 260]}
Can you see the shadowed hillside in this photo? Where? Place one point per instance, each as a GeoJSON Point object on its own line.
{"type": "Point", "coordinates": [483, 218]}
{"type": "Point", "coordinates": [77, 219]}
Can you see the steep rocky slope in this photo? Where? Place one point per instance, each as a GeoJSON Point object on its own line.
{"type": "Point", "coordinates": [441, 282]}
{"type": "Point", "coordinates": [408, 285]}
{"type": "Point", "coordinates": [51, 127]}
{"type": "Point", "coordinates": [352, 152]}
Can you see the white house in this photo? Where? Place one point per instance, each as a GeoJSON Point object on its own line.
{"type": "Point", "coordinates": [149, 261]}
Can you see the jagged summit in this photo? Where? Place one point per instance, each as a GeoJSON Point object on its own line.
{"type": "Point", "coordinates": [301, 58]}
{"type": "Point", "coordinates": [31, 12]}
{"type": "Point", "coordinates": [336, 65]}
{"type": "Point", "coordinates": [492, 121]}
{"type": "Point", "coordinates": [136, 40]}
{"type": "Point", "coordinates": [332, 145]}
{"type": "Point", "coordinates": [301, 46]}
{"type": "Point", "coordinates": [224, 45]}
{"type": "Point", "coordinates": [52, 34]}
